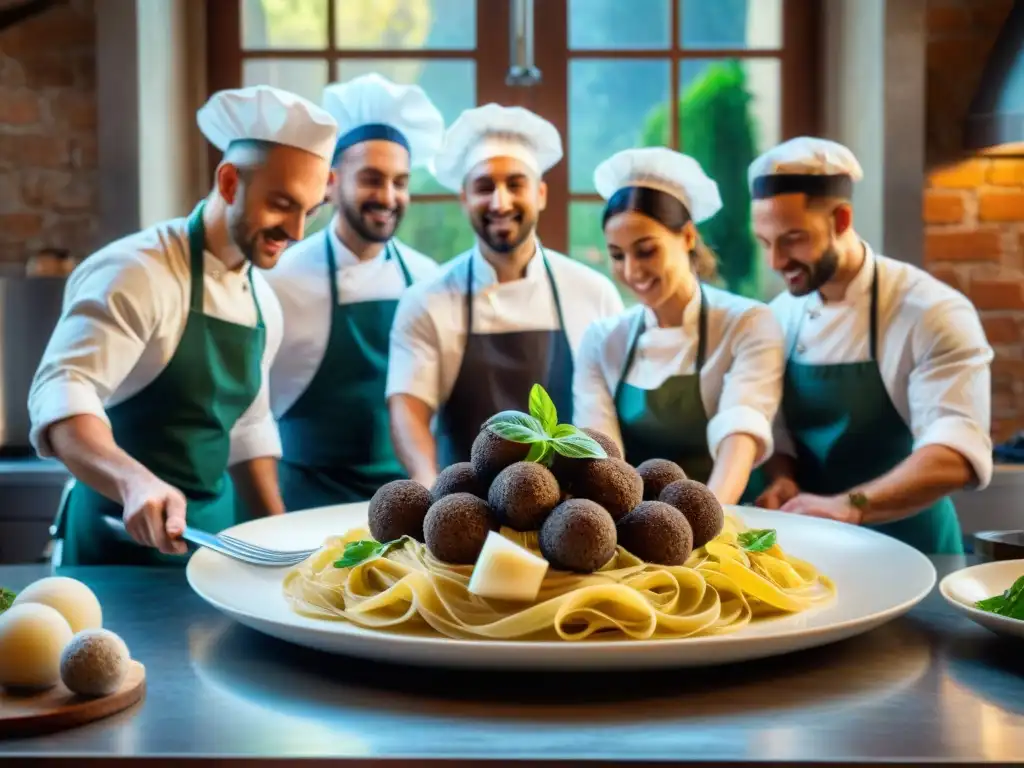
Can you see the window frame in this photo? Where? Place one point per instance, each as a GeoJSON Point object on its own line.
{"type": "Point", "coordinates": [799, 55]}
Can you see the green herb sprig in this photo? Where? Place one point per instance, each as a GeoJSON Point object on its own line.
{"type": "Point", "coordinates": [6, 599]}
{"type": "Point", "coordinates": [357, 552]}
{"type": "Point", "coordinates": [541, 431]}
{"type": "Point", "coordinates": [757, 541]}
{"type": "Point", "coordinates": [1009, 604]}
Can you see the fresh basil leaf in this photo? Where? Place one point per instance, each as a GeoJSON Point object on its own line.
{"type": "Point", "coordinates": [757, 541]}
{"type": "Point", "coordinates": [564, 430]}
{"type": "Point", "coordinates": [538, 451]}
{"type": "Point", "coordinates": [505, 416]}
{"type": "Point", "coordinates": [578, 445]}
{"type": "Point", "coordinates": [519, 429]}
{"type": "Point", "coordinates": [6, 599]}
{"type": "Point", "coordinates": [542, 407]}
{"type": "Point", "coordinates": [1010, 603]}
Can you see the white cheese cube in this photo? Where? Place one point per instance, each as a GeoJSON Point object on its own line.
{"type": "Point", "coordinates": [506, 571]}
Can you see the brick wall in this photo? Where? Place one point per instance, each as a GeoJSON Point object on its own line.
{"type": "Point", "coordinates": [48, 191]}
{"type": "Point", "coordinates": [974, 207]}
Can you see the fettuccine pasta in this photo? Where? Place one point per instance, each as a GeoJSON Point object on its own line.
{"type": "Point", "coordinates": [721, 588]}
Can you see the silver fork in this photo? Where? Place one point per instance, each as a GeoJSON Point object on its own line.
{"type": "Point", "coordinates": [231, 547]}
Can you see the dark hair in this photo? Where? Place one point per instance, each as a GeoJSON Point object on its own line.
{"type": "Point", "coordinates": [671, 213]}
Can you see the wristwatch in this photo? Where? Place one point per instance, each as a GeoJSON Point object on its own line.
{"type": "Point", "coordinates": [858, 501]}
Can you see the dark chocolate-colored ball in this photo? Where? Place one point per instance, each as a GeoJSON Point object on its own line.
{"type": "Point", "coordinates": [579, 535]}
{"type": "Point", "coordinates": [612, 483]}
{"type": "Point", "coordinates": [398, 509]}
{"type": "Point", "coordinates": [490, 454]}
{"type": "Point", "coordinates": [699, 505]}
{"type": "Point", "coordinates": [457, 478]}
{"type": "Point", "coordinates": [523, 494]}
{"type": "Point", "coordinates": [565, 469]}
{"type": "Point", "coordinates": [456, 528]}
{"type": "Point", "coordinates": [656, 532]}
{"type": "Point", "coordinates": [656, 474]}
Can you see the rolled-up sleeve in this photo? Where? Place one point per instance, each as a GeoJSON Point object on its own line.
{"type": "Point", "coordinates": [414, 363]}
{"type": "Point", "coordinates": [950, 385]}
{"type": "Point", "coordinates": [593, 403]}
{"type": "Point", "coordinates": [752, 387]}
{"type": "Point", "coordinates": [110, 311]}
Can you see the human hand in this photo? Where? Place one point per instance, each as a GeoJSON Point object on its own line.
{"type": "Point", "coordinates": [780, 491]}
{"type": "Point", "coordinates": [829, 507]}
{"type": "Point", "coordinates": [154, 515]}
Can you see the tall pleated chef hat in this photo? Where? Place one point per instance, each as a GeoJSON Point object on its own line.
{"type": "Point", "coordinates": [373, 107]}
{"type": "Point", "coordinates": [493, 131]}
{"type": "Point", "coordinates": [265, 113]}
{"type": "Point", "coordinates": [808, 165]}
{"type": "Point", "coordinates": [663, 169]}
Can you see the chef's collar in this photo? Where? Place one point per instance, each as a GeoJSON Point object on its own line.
{"type": "Point", "coordinates": [484, 275]}
{"type": "Point", "coordinates": [217, 268]}
{"type": "Point", "coordinates": [691, 315]}
{"type": "Point", "coordinates": [858, 288]}
{"type": "Point", "coordinates": [343, 255]}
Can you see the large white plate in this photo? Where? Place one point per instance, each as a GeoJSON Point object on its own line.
{"type": "Point", "coordinates": [877, 579]}
{"type": "Point", "coordinates": [963, 588]}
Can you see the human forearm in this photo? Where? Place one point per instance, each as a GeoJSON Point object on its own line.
{"type": "Point", "coordinates": [257, 485]}
{"type": "Point", "coordinates": [414, 444]}
{"type": "Point", "coordinates": [85, 445]}
{"type": "Point", "coordinates": [729, 478]}
{"type": "Point", "coordinates": [927, 475]}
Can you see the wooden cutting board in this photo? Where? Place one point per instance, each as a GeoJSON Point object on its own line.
{"type": "Point", "coordinates": [56, 709]}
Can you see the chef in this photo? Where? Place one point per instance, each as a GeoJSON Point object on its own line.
{"type": "Point", "coordinates": [339, 290]}
{"type": "Point", "coordinates": [501, 317]}
{"type": "Point", "coordinates": [153, 383]}
{"type": "Point", "coordinates": [885, 408]}
{"type": "Point", "coordinates": [692, 373]}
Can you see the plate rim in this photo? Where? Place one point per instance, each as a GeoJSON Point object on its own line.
{"type": "Point", "coordinates": [562, 646]}
{"type": "Point", "coordinates": [976, 614]}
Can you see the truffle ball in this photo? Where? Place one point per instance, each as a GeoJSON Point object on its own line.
{"type": "Point", "coordinates": [32, 637]}
{"type": "Point", "coordinates": [457, 478]}
{"type": "Point", "coordinates": [94, 663]}
{"type": "Point", "coordinates": [609, 445]}
{"type": "Point", "coordinates": [612, 483]}
{"type": "Point", "coordinates": [699, 505]}
{"type": "Point", "coordinates": [523, 494]}
{"type": "Point", "coordinates": [565, 468]}
{"type": "Point", "coordinates": [456, 528]}
{"type": "Point", "coordinates": [397, 509]}
{"type": "Point", "coordinates": [579, 535]}
{"type": "Point", "coordinates": [656, 532]}
{"type": "Point", "coordinates": [656, 474]}
{"type": "Point", "coordinates": [490, 454]}
{"type": "Point", "coordinates": [69, 597]}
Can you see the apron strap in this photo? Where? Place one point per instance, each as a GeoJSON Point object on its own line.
{"type": "Point", "coordinates": [469, 299]}
{"type": "Point", "coordinates": [332, 269]}
{"type": "Point", "coordinates": [196, 250]}
{"type": "Point", "coordinates": [392, 249]}
{"type": "Point", "coordinates": [638, 329]}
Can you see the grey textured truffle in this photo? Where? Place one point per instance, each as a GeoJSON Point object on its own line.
{"type": "Point", "coordinates": [94, 663]}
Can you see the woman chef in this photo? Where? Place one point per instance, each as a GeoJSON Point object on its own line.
{"type": "Point", "coordinates": [338, 293]}
{"type": "Point", "coordinates": [154, 380]}
{"type": "Point", "coordinates": [693, 373]}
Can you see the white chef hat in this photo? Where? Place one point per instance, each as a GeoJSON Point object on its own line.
{"type": "Point", "coordinates": [491, 131]}
{"type": "Point", "coordinates": [663, 169]}
{"type": "Point", "coordinates": [265, 113]}
{"type": "Point", "coordinates": [816, 167]}
{"type": "Point", "coordinates": [373, 107]}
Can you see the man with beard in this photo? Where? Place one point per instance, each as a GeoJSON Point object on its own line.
{"type": "Point", "coordinates": [885, 408]}
{"type": "Point", "coordinates": [338, 291]}
{"type": "Point", "coordinates": [153, 383]}
{"type": "Point", "coordinates": [502, 317]}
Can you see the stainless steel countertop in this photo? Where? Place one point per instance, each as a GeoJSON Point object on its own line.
{"type": "Point", "coordinates": [929, 687]}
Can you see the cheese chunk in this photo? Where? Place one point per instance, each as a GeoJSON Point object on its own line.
{"type": "Point", "coordinates": [32, 638]}
{"type": "Point", "coordinates": [506, 571]}
{"type": "Point", "coordinates": [69, 597]}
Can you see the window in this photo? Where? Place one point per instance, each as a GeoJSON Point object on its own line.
{"type": "Point", "coordinates": [743, 71]}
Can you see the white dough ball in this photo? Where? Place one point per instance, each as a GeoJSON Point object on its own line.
{"type": "Point", "coordinates": [32, 639]}
{"type": "Point", "coordinates": [94, 663]}
{"type": "Point", "coordinates": [70, 597]}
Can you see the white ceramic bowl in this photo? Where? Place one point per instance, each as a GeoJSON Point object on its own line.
{"type": "Point", "coordinates": [963, 588]}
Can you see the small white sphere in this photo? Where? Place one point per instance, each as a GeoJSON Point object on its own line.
{"type": "Point", "coordinates": [32, 638]}
{"type": "Point", "coordinates": [94, 663]}
{"type": "Point", "coordinates": [70, 597]}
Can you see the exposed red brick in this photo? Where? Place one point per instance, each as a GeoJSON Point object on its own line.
{"type": "Point", "coordinates": [1006, 171]}
{"type": "Point", "coordinates": [975, 245]}
{"type": "Point", "coordinates": [18, 107]}
{"type": "Point", "coordinates": [946, 18]}
{"type": "Point", "coordinates": [61, 191]}
{"type": "Point", "coordinates": [943, 207]}
{"type": "Point", "coordinates": [968, 174]}
{"type": "Point", "coordinates": [1005, 428]}
{"type": "Point", "coordinates": [28, 150]}
{"type": "Point", "coordinates": [949, 277]}
{"type": "Point", "coordinates": [997, 294]}
{"type": "Point", "coordinates": [1001, 206]}
{"type": "Point", "coordinates": [20, 226]}
{"type": "Point", "coordinates": [48, 69]}
{"type": "Point", "coordinates": [76, 111]}
{"type": "Point", "coordinates": [1002, 330]}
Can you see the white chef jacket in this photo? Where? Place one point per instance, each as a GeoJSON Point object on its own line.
{"type": "Point", "coordinates": [429, 333]}
{"type": "Point", "coordinates": [125, 309]}
{"type": "Point", "coordinates": [932, 353]}
{"type": "Point", "coordinates": [740, 382]}
{"type": "Point", "coordinates": [300, 282]}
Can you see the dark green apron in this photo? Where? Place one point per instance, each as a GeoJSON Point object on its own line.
{"type": "Point", "coordinates": [847, 432]}
{"type": "Point", "coordinates": [336, 437]}
{"type": "Point", "coordinates": [668, 422]}
{"type": "Point", "coordinates": [178, 427]}
{"type": "Point", "coordinates": [498, 371]}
